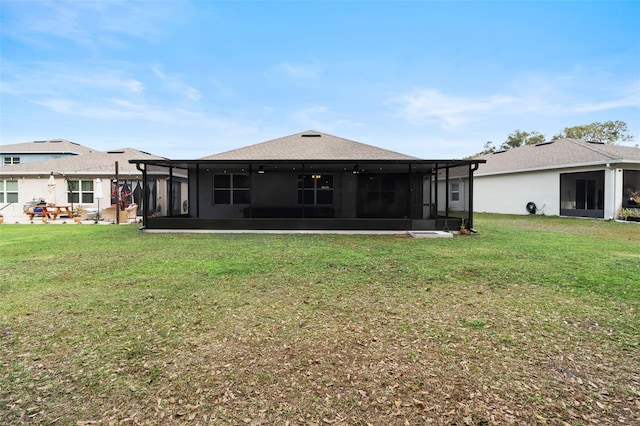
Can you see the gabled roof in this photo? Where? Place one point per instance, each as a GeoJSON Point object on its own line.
{"type": "Point", "coordinates": [307, 146]}
{"type": "Point", "coordinates": [560, 153]}
{"type": "Point", "coordinates": [94, 163]}
{"type": "Point", "coordinates": [51, 146]}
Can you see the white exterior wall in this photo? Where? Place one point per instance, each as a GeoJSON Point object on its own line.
{"type": "Point", "coordinates": [510, 193]}
{"type": "Point", "coordinates": [34, 187]}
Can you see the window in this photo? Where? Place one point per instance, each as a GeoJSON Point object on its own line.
{"type": "Point", "coordinates": [11, 160]}
{"type": "Point", "coordinates": [455, 191]}
{"type": "Point", "coordinates": [80, 191]}
{"type": "Point", "coordinates": [8, 191]}
{"type": "Point", "coordinates": [231, 189]}
{"type": "Point", "coordinates": [315, 189]}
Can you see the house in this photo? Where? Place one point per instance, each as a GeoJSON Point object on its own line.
{"type": "Point", "coordinates": [27, 152]}
{"type": "Point", "coordinates": [563, 177]}
{"type": "Point", "coordinates": [76, 182]}
{"type": "Point", "coordinates": [313, 181]}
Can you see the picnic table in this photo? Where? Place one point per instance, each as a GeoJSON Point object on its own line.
{"type": "Point", "coordinates": [52, 212]}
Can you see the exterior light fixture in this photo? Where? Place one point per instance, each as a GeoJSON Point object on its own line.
{"type": "Point", "coordinates": [355, 169]}
{"type": "Point", "coordinates": [261, 170]}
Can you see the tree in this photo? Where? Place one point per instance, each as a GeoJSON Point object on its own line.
{"type": "Point", "coordinates": [608, 132]}
{"type": "Point", "coordinates": [520, 138]}
{"type": "Point", "coordinates": [488, 149]}
{"type": "Point", "coordinates": [514, 140]}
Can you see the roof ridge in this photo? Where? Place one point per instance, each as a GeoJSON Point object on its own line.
{"type": "Point", "coordinates": [586, 144]}
{"type": "Point", "coordinates": [300, 146]}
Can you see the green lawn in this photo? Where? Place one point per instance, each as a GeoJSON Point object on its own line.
{"type": "Point", "coordinates": [534, 320]}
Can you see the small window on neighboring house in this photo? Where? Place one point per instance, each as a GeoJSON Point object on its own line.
{"type": "Point", "coordinates": [455, 191]}
{"type": "Point", "coordinates": [80, 191]}
{"type": "Point", "coordinates": [11, 160]}
{"type": "Point", "coordinates": [231, 189]}
{"type": "Point", "coordinates": [8, 191]}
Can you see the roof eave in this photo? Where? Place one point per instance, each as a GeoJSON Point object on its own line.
{"type": "Point", "coordinates": [559, 166]}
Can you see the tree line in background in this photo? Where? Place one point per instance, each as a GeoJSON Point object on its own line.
{"type": "Point", "coordinates": [608, 132]}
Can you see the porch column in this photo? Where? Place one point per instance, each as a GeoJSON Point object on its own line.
{"type": "Point", "coordinates": [170, 206]}
{"type": "Point", "coordinates": [145, 195]}
{"type": "Point", "coordinates": [612, 191]}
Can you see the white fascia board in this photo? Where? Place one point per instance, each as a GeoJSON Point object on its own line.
{"type": "Point", "coordinates": [546, 168]}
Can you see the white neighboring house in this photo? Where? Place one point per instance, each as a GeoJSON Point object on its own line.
{"type": "Point", "coordinates": [563, 177]}
{"type": "Point", "coordinates": [75, 178]}
{"type": "Point", "coordinates": [27, 152]}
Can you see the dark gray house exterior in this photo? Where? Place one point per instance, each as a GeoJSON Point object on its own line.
{"type": "Point", "coordinates": [312, 181]}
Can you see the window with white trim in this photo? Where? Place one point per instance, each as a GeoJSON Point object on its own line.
{"type": "Point", "coordinates": [231, 189]}
{"type": "Point", "coordinates": [8, 191]}
{"type": "Point", "coordinates": [455, 191]}
{"type": "Point", "coordinates": [80, 191]}
{"type": "Point", "coordinates": [9, 160]}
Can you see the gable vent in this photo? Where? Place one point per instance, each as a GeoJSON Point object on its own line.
{"type": "Point", "coordinates": [311, 135]}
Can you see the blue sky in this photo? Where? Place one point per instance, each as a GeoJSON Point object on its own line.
{"type": "Point", "coordinates": [187, 79]}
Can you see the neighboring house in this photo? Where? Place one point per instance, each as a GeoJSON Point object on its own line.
{"type": "Point", "coordinates": [27, 152]}
{"type": "Point", "coordinates": [76, 182]}
{"type": "Point", "coordinates": [313, 180]}
{"type": "Point", "coordinates": [564, 177]}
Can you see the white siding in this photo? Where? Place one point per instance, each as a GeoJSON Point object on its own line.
{"type": "Point", "coordinates": [510, 193]}
{"type": "Point", "coordinates": [36, 187]}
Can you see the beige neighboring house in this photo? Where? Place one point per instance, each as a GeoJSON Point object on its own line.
{"type": "Point", "coordinates": [564, 177]}
{"type": "Point", "coordinates": [27, 152]}
{"type": "Point", "coordinates": [76, 182]}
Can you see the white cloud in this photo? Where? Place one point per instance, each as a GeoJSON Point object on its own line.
{"type": "Point", "coordinates": [530, 97]}
{"type": "Point", "coordinates": [425, 106]}
{"type": "Point", "coordinates": [123, 109]}
{"type": "Point", "coordinates": [110, 80]}
{"type": "Point", "coordinates": [91, 24]}
{"type": "Point", "coordinates": [629, 97]}
{"type": "Point", "coordinates": [299, 71]}
{"type": "Point", "coordinates": [175, 84]}
{"type": "Point", "coordinates": [310, 116]}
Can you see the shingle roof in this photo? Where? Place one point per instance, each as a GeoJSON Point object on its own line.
{"type": "Point", "coordinates": [556, 154]}
{"type": "Point", "coordinates": [310, 145]}
{"type": "Point", "coordinates": [51, 146]}
{"type": "Point", "coordinates": [94, 163]}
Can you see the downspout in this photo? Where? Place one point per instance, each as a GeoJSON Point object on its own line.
{"type": "Point", "coordinates": [145, 192]}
